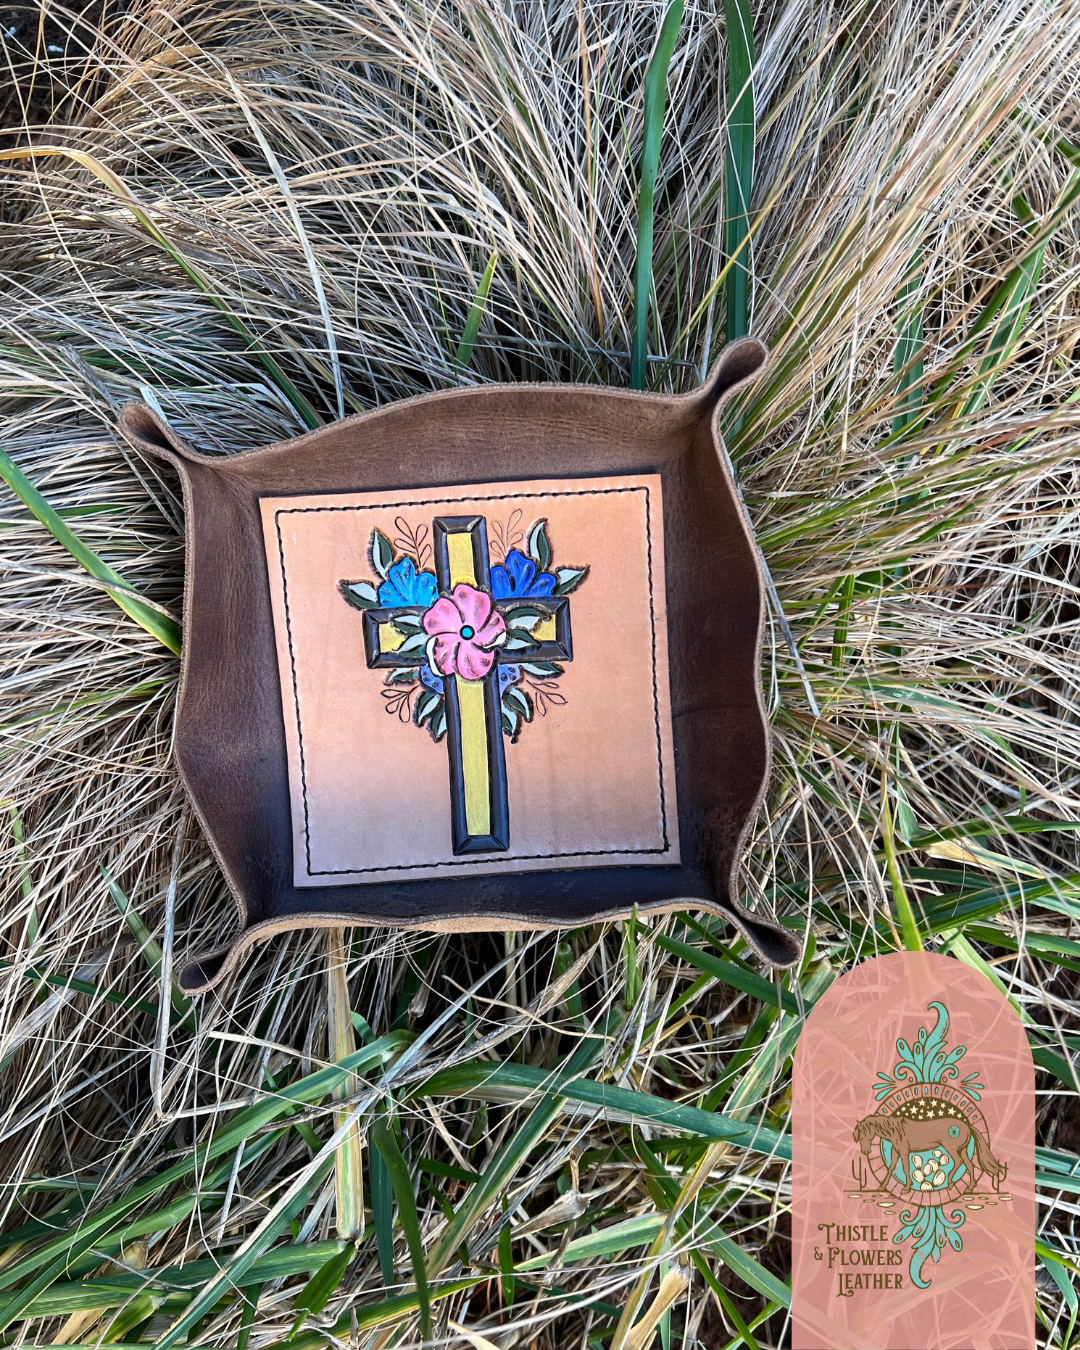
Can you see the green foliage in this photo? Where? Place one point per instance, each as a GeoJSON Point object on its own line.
{"type": "Point", "coordinates": [655, 102]}
{"type": "Point", "coordinates": [464, 352]}
{"type": "Point", "coordinates": [380, 553]}
{"type": "Point", "coordinates": [538, 547]}
{"type": "Point", "coordinates": [739, 163]}
{"type": "Point", "coordinates": [157, 624]}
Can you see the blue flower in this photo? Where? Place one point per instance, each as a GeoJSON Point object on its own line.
{"type": "Point", "coordinates": [404, 585]}
{"type": "Point", "coordinates": [428, 677]}
{"type": "Point", "coordinates": [508, 675]}
{"type": "Point", "coordinates": [518, 577]}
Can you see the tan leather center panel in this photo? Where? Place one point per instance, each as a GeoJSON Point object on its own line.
{"type": "Point", "coordinates": [589, 777]}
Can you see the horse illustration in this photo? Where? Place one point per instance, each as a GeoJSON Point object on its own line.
{"type": "Point", "coordinates": [937, 1129]}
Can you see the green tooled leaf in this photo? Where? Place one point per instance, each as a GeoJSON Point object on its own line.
{"type": "Point", "coordinates": [518, 640]}
{"type": "Point", "coordinates": [382, 555]}
{"type": "Point", "coordinates": [568, 579]}
{"type": "Point", "coordinates": [524, 616]}
{"type": "Point", "coordinates": [412, 644]}
{"type": "Point", "coordinates": [544, 669]}
{"type": "Point", "coordinates": [538, 546]}
{"type": "Point", "coordinates": [403, 675]}
{"type": "Point", "coordinates": [359, 594]}
{"type": "Point", "coordinates": [519, 701]}
{"type": "Point", "coordinates": [406, 623]}
{"type": "Point", "coordinates": [509, 720]}
{"type": "Point", "coordinates": [426, 705]}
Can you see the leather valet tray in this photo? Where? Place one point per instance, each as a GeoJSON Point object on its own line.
{"type": "Point", "coordinates": [485, 659]}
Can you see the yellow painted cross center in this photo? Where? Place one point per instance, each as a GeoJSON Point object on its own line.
{"type": "Point", "coordinates": [470, 700]}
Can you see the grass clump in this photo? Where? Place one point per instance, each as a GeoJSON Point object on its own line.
{"type": "Point", "coordinates": [265, 215]}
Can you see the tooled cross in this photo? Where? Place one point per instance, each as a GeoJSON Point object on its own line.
{"type": "Point", "coordinates": [479, 808]}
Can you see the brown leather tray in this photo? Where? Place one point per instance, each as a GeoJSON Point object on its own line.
{"type": "Point", "coordinates": [286, 816]}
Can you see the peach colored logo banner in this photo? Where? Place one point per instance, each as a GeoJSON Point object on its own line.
{"type": "Point", "coordinates": [913, 1182]}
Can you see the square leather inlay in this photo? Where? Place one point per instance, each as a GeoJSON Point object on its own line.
{"type": "Point", "coordinates": [587, 774]}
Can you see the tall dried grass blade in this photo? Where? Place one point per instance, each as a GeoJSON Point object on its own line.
{"type": "Point", "coordinates": [120, 190]}
{"type": "Point", "coordinates": [349, 1165]}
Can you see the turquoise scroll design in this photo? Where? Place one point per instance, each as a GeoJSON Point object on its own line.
{"type": "Point", "coordinates": [929, 1230]}
{"type": "Point", "coordinates": [928, 1060]}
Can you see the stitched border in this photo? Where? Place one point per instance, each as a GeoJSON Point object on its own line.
{"type": "Point", "coordinates": [479, 861]}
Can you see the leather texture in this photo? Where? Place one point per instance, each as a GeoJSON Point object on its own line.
{"type": "Point", "coordinates": [230, 732]}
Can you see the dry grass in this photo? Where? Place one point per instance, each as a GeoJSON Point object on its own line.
{"type": "Point", "coordinates": [333, 179]}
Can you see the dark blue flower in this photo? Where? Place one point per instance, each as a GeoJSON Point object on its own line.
{"type": "Point", "coordinates": [508, 675]}
{"type": "Point", "coordinates": [518, 577]}
{"type": "Point", "coordinates": [429, 678]}
{"type": "Point", "coordinates": [404, 585]}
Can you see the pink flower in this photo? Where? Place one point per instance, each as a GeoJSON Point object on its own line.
{"type": "Point", "coordinates": [465, 626]}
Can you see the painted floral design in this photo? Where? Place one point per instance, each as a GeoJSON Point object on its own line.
{"type": "Point", "coordinates": [466, 628]}
{"type": "Point", "coordinates": [519, 576]}
{"type": "Point", "coordinates": [466, 632]}
{"type": "Point", "coordinates": [404, 585]}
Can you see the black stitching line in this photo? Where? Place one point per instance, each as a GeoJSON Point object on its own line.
{"type": "Point", "coordinates": [296, 691]}
{"type": "Point", "coordinates": [520, 857]}
{"type": "Point", "coordinates": [656, 700]}
{"type": "Point", "coordinates": [476, 862]}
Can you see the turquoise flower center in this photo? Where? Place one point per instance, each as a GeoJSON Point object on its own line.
{"type": "Point", "coordinates": [468, 632]}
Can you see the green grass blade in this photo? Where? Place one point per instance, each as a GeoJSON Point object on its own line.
{"type": "Point", "coordinates": [158, 625]}
{"type": "Point", "coordinates": [843, 621]}
{"type": "Point", "coordinates": [743, 1332]}
{"type": "Point", "coordinates": [148, 947]}
{"type": "Point", "coordinates": [739, 163]}
{"type": "Point", "coordinates": [909, 929]}
{"type": "Point", "coordinates": [515, 1081]}
{"type": "Point", "coordinates": [382, 1203]}
{"type": "Point", "coordinates": [654, 108]}
{"type": "Point", "coordinates": [392, 1310]}
{"type": "Point", "coordinates": [1064, 1281]}
{"type": "Point", "coordinates": [247, 1317]}
{"type": "Point", "coordinates": [26, 885]}
{"type": "Point", "coordinates": [463, 355]}
{"type": "Point", "coordinates": [908, 354]}
{"type": "Point", "coordinates": [517, 1149]}
{"type": "Point", "coordinates": [632, 979]}
{"type": "Point", "coordinates": [387, 1146]}
{"type": "Point", "coordinates": [609, 1241]}
{"type": "Point", "coordinates": [1011, 307]}
{"type": "Point", "coordinates": [745, 981]}
{"type": "Point", "coordinates": [506, 1264]}
{"type": "Point", "coordinates": [319, 1290]}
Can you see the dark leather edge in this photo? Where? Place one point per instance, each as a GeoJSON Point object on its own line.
{"type": "Point", "coordinates": [207, 969]}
